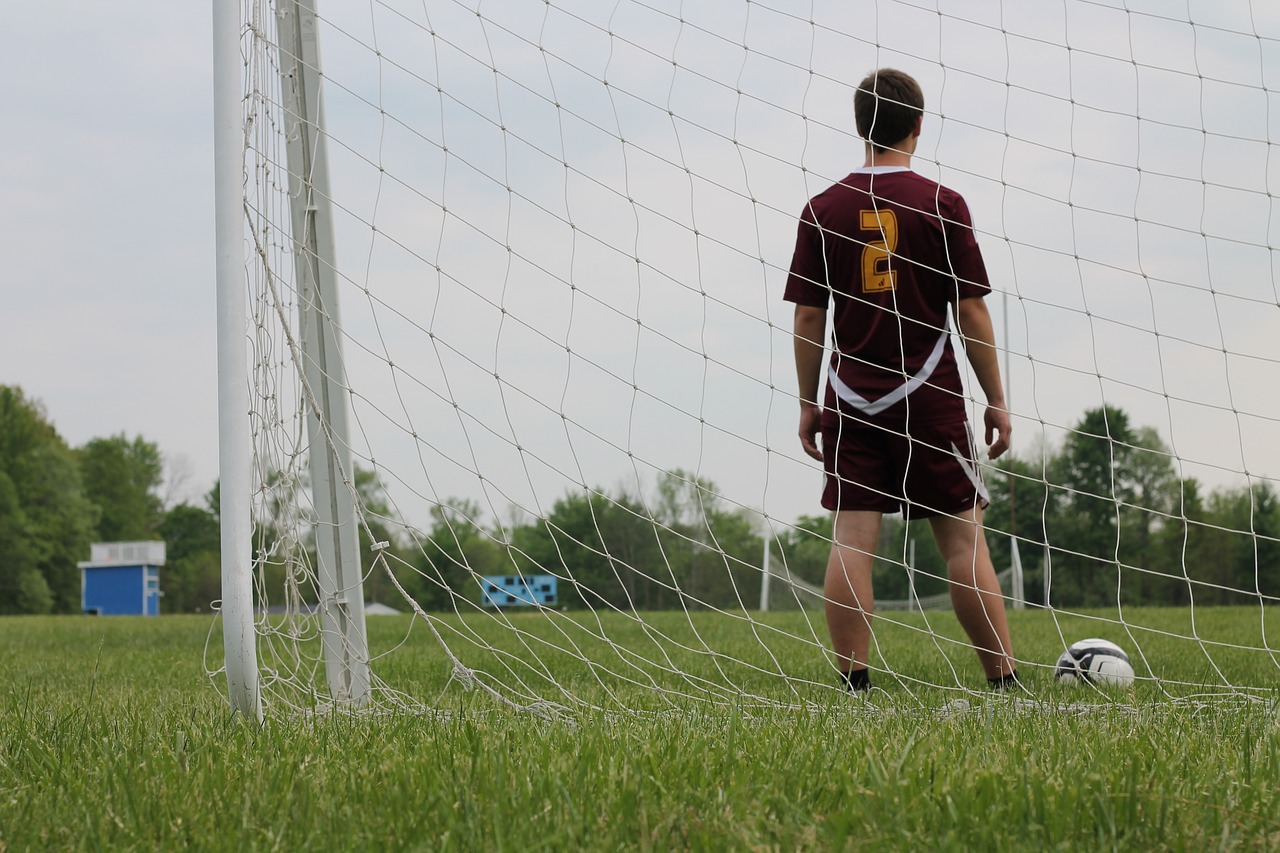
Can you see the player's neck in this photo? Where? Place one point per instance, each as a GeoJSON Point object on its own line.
{"type": "Point", "coordinates": [886, 157]}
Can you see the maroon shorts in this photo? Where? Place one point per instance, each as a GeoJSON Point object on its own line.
{"type": "Point", "coordinates": [879, 468]}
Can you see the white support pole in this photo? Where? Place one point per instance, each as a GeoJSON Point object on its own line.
{"type": "Point", "coordinates": [1018, 593]}
{"type": "Point", "coordinates": [238, 636]}
{"type": "Point", "coordinates": [332, 473]}
{"type": "Point", "coordinates": [765, 574]}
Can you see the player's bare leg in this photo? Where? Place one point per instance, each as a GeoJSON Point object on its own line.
{"type": "Point", "coordinates": [850, 600]}
{"type": "Point", "coordinates": [975, 591]}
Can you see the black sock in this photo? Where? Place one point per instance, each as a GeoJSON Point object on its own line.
{"type": "Point", "coordinates": [1003, 681]}
{"type": "Point", "coordinates": [856, 680]}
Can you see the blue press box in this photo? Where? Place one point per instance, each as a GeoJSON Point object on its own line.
{"type": "Point", "coordinates": [518, 590]}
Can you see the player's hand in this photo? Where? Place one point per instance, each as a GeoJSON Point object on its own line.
{"type": "Point", "coordinates": [810, 422]}
{"type": "Point", "coordinates": [1000, 428]}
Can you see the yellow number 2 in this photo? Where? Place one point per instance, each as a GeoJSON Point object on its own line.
{"type": "Point", "coordinates": [877, 276]}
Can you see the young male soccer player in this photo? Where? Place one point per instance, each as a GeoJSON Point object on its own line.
{"type": "Point", "coordinates": [894, 254]}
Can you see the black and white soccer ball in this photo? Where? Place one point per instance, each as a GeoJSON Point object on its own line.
{"type": "Point", "coordinates": [1094, 661]}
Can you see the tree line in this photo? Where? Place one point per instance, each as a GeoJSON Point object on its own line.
{"type": "Point", "coordinates": [1110, 520]}
{"type": "Point", "coordinates": [1105, 515]}
{"type": "Point", "coordinates": [55, 500]}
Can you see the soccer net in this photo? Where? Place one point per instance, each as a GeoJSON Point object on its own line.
{"type": "Point", "coordinates": [550, 383]}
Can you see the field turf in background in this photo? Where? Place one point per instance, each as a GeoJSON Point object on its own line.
{"type": "Point", "coordinates": [111, 736]}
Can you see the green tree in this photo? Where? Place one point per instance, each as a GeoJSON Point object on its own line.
{"type": "Point", "coordinates": [122, 477]}
{"type": "Point", "coordinates": [1154, 489]}
{"type": "Point", "coordinates": [681, 547]}
{"type": "Point", "coordinates": [710, 552]}
{"type": "Point", "coordinates": [1242, 560]}
{"type": "Point", "coordinates": [1019, 504]}
{"type": "Point", "coordinates": [193, 547]}
{"type": "Point", "coordinates": [452, 555]}
{"type": "Point", "coordinates": [732, 579]}
{"type": "Point", "coordinates": [22, 588]}
{"type": "Point", "coordinates": [1181, 544]}
{"type": "Point", "coordinates": [805, 547]}
{"type": "Point", "coordinates": [53, 519]}
{"type": "Point", "coordinates": [1265, 508]}
{"type": "Point", "coordinates": [1083, 523]}
{"type": "Point", "coordinates": [1111, 486]}
{"type": "Point", "coordinates": [379, 526]}
{"type": "Point", "coordinates": [283, 541]}
{"type": "Point", "coordinates": [602, 549]}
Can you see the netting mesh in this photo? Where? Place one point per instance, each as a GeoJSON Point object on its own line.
{"type": "Point", "coordinates": [561, 234]}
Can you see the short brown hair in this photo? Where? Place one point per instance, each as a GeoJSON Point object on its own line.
{"type": "Point", "coordinates": [886, 106]}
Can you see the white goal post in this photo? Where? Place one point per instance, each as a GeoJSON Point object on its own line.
{"type": "Point", "coordinates": [327, 404]}
{"type": "Point", "coordinates": [239, 636]}
{"type": "Point", "coordinates": [500, 292]}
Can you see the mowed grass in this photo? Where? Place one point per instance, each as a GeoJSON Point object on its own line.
{"type": "Point", "coordinates": [113, 737]}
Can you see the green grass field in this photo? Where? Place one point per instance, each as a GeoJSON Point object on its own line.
{"type": "Point", "coordinates": [113, 737]}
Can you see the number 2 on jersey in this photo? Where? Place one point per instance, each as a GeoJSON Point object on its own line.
{"type": "Point", "coordinates": [877, 276]}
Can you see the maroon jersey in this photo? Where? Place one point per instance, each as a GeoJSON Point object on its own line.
{"type": "Point", "coordinates": [891, 250]}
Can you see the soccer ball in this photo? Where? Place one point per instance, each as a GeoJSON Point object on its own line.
{"type": "Point", "coordinates": [1094, 661]}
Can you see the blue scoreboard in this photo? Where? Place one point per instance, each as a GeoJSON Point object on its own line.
{"type": "Point", "coordinates": [518, 590]}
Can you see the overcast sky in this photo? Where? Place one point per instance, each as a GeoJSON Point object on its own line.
{"type": "Point", "coordinates": [1123, 190]}
{"type": "Point", "coordinates": [106, 187]}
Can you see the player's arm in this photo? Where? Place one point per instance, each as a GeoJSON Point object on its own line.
{"type": "Point", "coordinates": [979, 337]}
{"type": "Point", "coordinates": [810, 329]}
